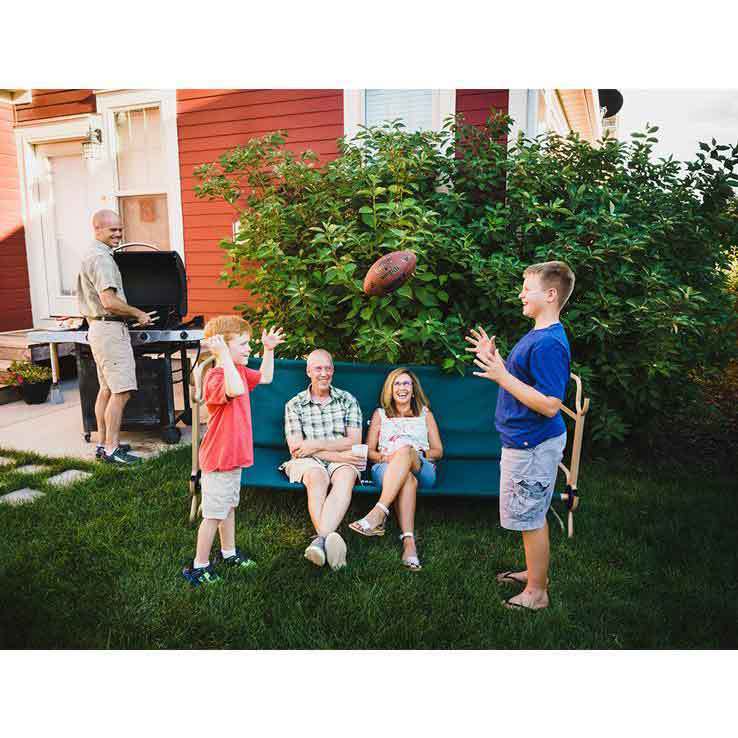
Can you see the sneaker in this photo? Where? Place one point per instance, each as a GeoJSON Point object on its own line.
{"type": "Point", "coordinates": [100, 450]}
{"type": "Point", "coordinates": [335, 550]}
{"type": "Point", "coordinates": [201, 575]}
{"type": "Point", "coordinates": [120, 458]}
{"type": "Point", "coordinates": [315, 552]}
{"type": "Point", "coordinates": [239, 560]}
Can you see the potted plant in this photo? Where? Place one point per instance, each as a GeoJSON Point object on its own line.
{"type": "Point", "coordinates": [33, 381]}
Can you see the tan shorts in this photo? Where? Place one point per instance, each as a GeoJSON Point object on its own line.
{"type": "Point", "coordinates": [111, 349]}
{"type": "Point", "coordinates": [221, 490]}
{"type": "Point", "coordinates": [296, 469]}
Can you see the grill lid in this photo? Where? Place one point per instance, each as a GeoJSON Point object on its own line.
{"type": "Point", "coordinates": [155, 280]}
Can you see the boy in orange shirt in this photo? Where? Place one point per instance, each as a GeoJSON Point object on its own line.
{"type": "Point", "coordinates": [228, 445]}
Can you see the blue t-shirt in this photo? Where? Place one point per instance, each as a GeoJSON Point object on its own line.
{"type": "Point", "coordinates": [541, 359]}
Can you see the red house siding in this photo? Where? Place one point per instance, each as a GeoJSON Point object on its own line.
{"type": "Point", "coordinates": [15, 300]}
{"type": "Point", "coordinates": [54, 104]}
{"type": "Point", "coordinates": [476, 104]}
{"type": "Point", "coordinates": [208, 123]}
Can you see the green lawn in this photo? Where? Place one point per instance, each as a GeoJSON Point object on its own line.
{"type": "Point", "coordinates": [653, 565]}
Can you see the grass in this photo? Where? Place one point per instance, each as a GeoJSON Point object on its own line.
{"type": "Point", "coordinates": [97, 565]}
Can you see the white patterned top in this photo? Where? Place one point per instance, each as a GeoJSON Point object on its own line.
{"type": "Point", "coordinates": [397, 432]}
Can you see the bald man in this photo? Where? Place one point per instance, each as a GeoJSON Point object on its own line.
{"type": "Point", "coordinates": [103, 302]}
{"type": "Point", "coordinates": [321, 424]}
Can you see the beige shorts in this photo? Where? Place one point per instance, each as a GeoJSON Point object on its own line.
{"type": "Point", "coordinates": [111, 349]}
{"type": "Point", "coordinates": [221, 490]}
{"type": "Point", "coordinates": [296, 469]}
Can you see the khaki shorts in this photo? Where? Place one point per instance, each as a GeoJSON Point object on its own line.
{"type": "Point", "coordinates": [111, 349]}
{"type": "Point", "coordinates": [296, 469]}
{"type": "Point", "coordinates": [221, 490]}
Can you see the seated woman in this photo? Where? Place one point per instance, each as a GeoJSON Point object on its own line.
{"type": "Point", "coordinates": [404, 444]}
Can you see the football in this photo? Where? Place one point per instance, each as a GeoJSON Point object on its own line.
{"type": "Point", "coordinates": [389, 272]}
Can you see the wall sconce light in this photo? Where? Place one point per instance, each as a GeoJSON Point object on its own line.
{"type": "Point", "coordinates": [92, 145]}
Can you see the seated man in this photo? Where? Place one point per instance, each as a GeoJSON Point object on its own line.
{"type": "Point", "coordinates": [321, 425]}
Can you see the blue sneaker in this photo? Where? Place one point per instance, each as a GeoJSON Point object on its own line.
{"type": "Point", "coordinates": [239, 560]}
{"type": "Point", "coordinates": [201, 575]}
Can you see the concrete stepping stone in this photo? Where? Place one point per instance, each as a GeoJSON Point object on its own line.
{"type": "Point", "coordinates": [65, 478]}
{"type": "Point", "coordinates": [21, 496]}
{"type": "Point", "coordinates": [6, 461]}
{"type": "Point", "coordinates": [32, 468]}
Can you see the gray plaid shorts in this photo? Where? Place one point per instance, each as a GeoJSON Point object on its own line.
{"type": "Point", "coordinates": [527, 480]}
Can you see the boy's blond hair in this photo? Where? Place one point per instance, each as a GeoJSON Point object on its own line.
{"type": "Point", "coordinates": [555, 274]}
{"type": "Point", "coordinates": [228, 326]}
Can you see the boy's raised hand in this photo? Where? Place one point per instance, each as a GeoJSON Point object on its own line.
{"type": "Point", "coordinates": [492, 365]}
{"type": "Point", "coordinates": [216, 344]}
{"type": "Point", "coordinates": [272, 339]}
{"type": "Point", "coordinates": [481, 343]}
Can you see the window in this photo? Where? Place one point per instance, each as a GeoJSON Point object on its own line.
{"type": "Point", "coordinates": [141, 176]}
{"type": "Point", "coordinates": [419, 110]}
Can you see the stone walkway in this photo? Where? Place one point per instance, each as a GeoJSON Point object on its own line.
{"type": "Point", "coordinates": [28, 494]}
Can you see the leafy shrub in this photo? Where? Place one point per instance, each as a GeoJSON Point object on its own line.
{"type": "Point", "coordinates": [646, 240]}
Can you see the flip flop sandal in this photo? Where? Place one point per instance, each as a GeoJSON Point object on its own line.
{"type": "Point", "coordinates": [410, 562]}
{"type": "Point", "coordinates": [506, 577]}
{"type": "Point", "coordinates": [517, 606]}
{"type": "Point", "coordinates": [364, 527]}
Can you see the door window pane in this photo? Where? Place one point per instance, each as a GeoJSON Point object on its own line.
{"type": "Point", "coordinates": [140, 151]}
{"type": "Point", "coordinates": [145, 218]}
{"type": "Point", "coordinates": [413, 107]}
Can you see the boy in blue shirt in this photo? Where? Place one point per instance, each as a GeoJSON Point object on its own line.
{"type": "Point", "coordinates": [532, 384]}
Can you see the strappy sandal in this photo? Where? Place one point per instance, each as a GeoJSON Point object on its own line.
{"type": "Point", "coordinates": [410, 562]}
{"type": "Point", "coordinates": [364, 527]}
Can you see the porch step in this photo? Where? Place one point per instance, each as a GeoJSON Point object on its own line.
{"type": "Point", "coordinates": [14, 346]}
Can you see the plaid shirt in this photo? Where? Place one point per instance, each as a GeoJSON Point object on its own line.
{"type": "Point", "coordinates": [314, 421]}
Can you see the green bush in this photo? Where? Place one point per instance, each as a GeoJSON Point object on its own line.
{"type": "Point", "coordinates": [649, 244]}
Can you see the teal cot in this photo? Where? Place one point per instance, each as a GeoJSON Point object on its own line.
{"type": "Point", "coordinates": [464, 407]}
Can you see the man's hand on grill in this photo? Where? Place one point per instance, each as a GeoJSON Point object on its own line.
{"type": "Point", "coordinates": [144, 319]}
{"type": "Point", "coordinates": [272, 339]}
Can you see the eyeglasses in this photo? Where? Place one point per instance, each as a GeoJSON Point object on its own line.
{"type": "Point", "coordinates": [402, 384]}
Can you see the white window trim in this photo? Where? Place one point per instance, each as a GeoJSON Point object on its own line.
{"type": "Point", "coordinates": [354, 109]}
{"type": "Point", "coordinates": [112, 101]}
{"type": "Point", "coordinates": [26, 138]}
{"type": "Point", "coordinates": [522, 107]}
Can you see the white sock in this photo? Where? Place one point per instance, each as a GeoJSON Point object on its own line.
{"type": "Point", "coordinates": [230, 552]}
{"type": "Point", "coordinates": [200, 565]}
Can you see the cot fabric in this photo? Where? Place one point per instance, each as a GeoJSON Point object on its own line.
{"type": "Point", "coordinates": [462, 405]}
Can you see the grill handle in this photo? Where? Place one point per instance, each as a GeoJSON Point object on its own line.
{"type": "Point", "coordinates": [136, 243]}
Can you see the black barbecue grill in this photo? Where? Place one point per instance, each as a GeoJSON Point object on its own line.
{"type": "Point", "coordinates": [152, 280]}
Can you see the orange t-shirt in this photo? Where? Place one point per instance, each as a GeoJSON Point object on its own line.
{"type": "Point", "coordinates": [229, 441]}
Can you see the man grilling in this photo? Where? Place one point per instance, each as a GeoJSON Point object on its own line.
{"type": "Point", "coordinates": [103, 302]}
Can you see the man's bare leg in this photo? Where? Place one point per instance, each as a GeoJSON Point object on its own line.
{"type": "Point", "coordinates": [101, 405]}
{"type": "Point", "coordinates": [316, 482]}
{"type": "Point", "coordinates": [537, 556]}
{"type": "Point", "coordinates": [113, 418]}
{"type": "Point", "coordinates": [338, 500]}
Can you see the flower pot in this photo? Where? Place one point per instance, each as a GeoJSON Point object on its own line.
{"type": "Point", "coordinates": [34, 393]}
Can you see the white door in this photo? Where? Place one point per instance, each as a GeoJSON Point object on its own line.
{"type": "Point", "coordinates": [63, 198]}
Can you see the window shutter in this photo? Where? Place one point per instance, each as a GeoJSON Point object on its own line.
{"type": "Point", "coordinates": [413, 107]}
